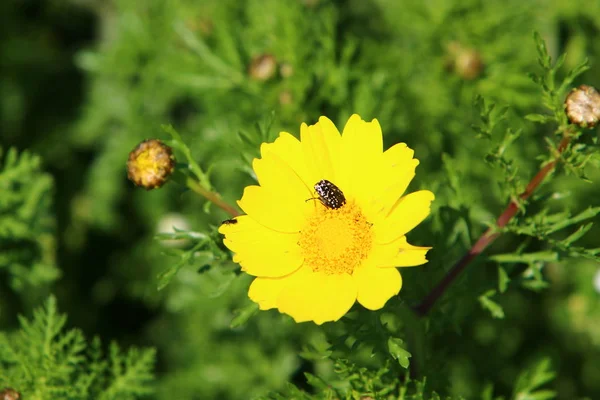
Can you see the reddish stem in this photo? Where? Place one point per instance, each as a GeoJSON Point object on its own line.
{"type": "Point", "coordinates": [489, 235]}
{"type": "Point", "coordinates": [212, 197]}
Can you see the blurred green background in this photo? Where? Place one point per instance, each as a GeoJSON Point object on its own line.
{"type": "Point", "coordinates": [84, 81]}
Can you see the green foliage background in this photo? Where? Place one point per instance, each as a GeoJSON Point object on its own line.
{"type": "Point", "coordinates": [84, 81]}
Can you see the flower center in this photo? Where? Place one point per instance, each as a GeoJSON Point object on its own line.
{"type": "Point", "coordinates": [336, 241]}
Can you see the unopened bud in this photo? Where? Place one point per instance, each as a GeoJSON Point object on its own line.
{"type": "Point", "coordinates": [582, 106]}
{"type": "Point", "coordinates": [285, 98]}
{"type": "Point", "coordinates": [150, 164]}
{"type": "Point", "coordinates": [286, 70]}
{"type": "Point", "coordinates": [9, 394]}
{"type": "Point", "coordinates": [263, 67]}
{"type": "Point", "coordinates": [464, 62]}
{"type": "Point", "coordinates": [206, 27]}
{"type": "Point", "coordinates": [202, 25]}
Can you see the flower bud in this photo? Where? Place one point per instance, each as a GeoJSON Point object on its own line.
{"type": "Point", "coordinates": [203, 26]}
{"type": "Point", "coordinates": [9, 394]}
{"type": "Point", "coordinates": [464, 62]}
{"type": "Point", "coordinates": [285, 98]}
{"type": "Point", "coordinates": [286, 70]}
{"type": "Point", "coordinates": [150, 164]}
{"type": "Point", "coordinates": [582, 106]}
{"type": "Point", "coordinates": [263, 67]}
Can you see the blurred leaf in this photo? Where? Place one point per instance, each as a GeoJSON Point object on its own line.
{"type": "Point", "coordinates": [396, 349]}
{"type": "Point", "coordinates": [242, 315]}
{"type": "Point", "coordinates": [494, 308]}
{"type": "Point", "coordinates": [44, 361]}
{"type": "Point", "coordinates": [540, 256]}
{"type": "Point", "coordinates": [185, 258]}
{"type": "Point", "coordinates": [27, 222]}
{"type": "Point", "coordinates": [528, 386]}
{"type": "Point", "coordinates": [503, 280]}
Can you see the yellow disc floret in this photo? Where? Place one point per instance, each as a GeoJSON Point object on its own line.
{"type": "Point", "coordinates": [336, 241]}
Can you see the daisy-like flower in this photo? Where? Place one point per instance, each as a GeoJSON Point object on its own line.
{"type": "Point", "coordinates": [326, 225]}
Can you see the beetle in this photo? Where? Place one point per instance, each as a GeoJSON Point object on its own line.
{"type": "Point", "coordinates": [329, 194]}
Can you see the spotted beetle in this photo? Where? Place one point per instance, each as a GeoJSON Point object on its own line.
{"type": "Point", "coordinates": [330, 195]}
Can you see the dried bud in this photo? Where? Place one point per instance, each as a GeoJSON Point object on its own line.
{"type": "Point", "coordinates": [582, 106]}
{"type": "Point", "coordinates": [202, 25]}
{"type": "Point", "coordinates": [465, 62]}
{"type": "Point", "coordinates": [263, 67]}
{"type": "Point", "coordinates": [206, 26]}
{"type": "Point", "coordinates": [150, 164]}
{"type": "Point", "coordinates": [286, 70]}
{"type": "Point", "coordinates": [9, 394]}
{"type": "Point", "coordinates": [285, 98]}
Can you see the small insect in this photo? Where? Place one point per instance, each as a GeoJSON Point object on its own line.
{"type": "Point", "coordinates": [330, 195]}
{"type": "Point", "coordinates": [229, 222]}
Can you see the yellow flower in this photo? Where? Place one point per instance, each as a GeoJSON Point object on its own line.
{"type": "Point", "coordinates": [313, 257]}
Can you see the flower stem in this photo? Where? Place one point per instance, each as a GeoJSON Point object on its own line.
{"type": "Point", "coordinates": [490, 234]}
{"type": "Point", "coordinates": [213, 197]}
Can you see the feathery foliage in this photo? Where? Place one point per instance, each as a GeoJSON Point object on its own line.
{"type": "Point", "coordinates": [43, 360]}
{"type": "Point", "coordinates": [27, 224]}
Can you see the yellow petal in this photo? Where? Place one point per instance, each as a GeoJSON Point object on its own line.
{"type": "Point", "coordinates": [397, 253]}
{"type": "Point", "coordinates": [262, 251]}
{"type": "Point", "coordinates": [376, 285]}
{"type": "Point", "coordinates": [361, 159]}
{"type": "Point", "coordinates": [272, 209]}
{"type": "Point", "coordinates": [397, 172]}
{"type": "Point", "coordinates": [265, 291]}
{"type": "Point", "coordinates": [407, 213]}
{"type": "Point", "coordinates": [275, 175]}
{"type": "Point", "coordinates": [321, 146]}
{"type": "Point", "coordinates": [315, 296]}
{"type": "Point", "coordinates": [287, 147]}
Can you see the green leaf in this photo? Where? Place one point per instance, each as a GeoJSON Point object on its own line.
{"type": "Point", "coordinates": [186, 257]}
{"type": "Point", "coordinates": [589, 213]}
{"type": "Point", "coordinates": [243, 314]}
{"type": "Point", "coordinates": [45, 361]}
{"type": "Point", "coordinates": [574, 73]}
{"type": "Point", "coordinates": [544, 58]}
{"type": "Point", "coordinates": [396, 349]}
{"type": "Point", "coordinates": [539, 118]}
{"type": "Point", "coordinates": [193, 167]}
{"type": "Point", "coordinates": [494, 308]}
{"type": "Point", "coordinates": [529, 382]}
{"type": "Point", "coordinates": [527, 258]}
{"type": "Point", "coordinates": [315, 381]}
{"type": "Point", "coordinates": [27, 222]}
{"type": "Point", "coordinates": [503, 280]}
{"type": "Point", "coordinates": [578, 234]}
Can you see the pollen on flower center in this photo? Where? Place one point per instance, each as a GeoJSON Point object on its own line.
{"type": "Point", "coordinates": [335, 241]}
